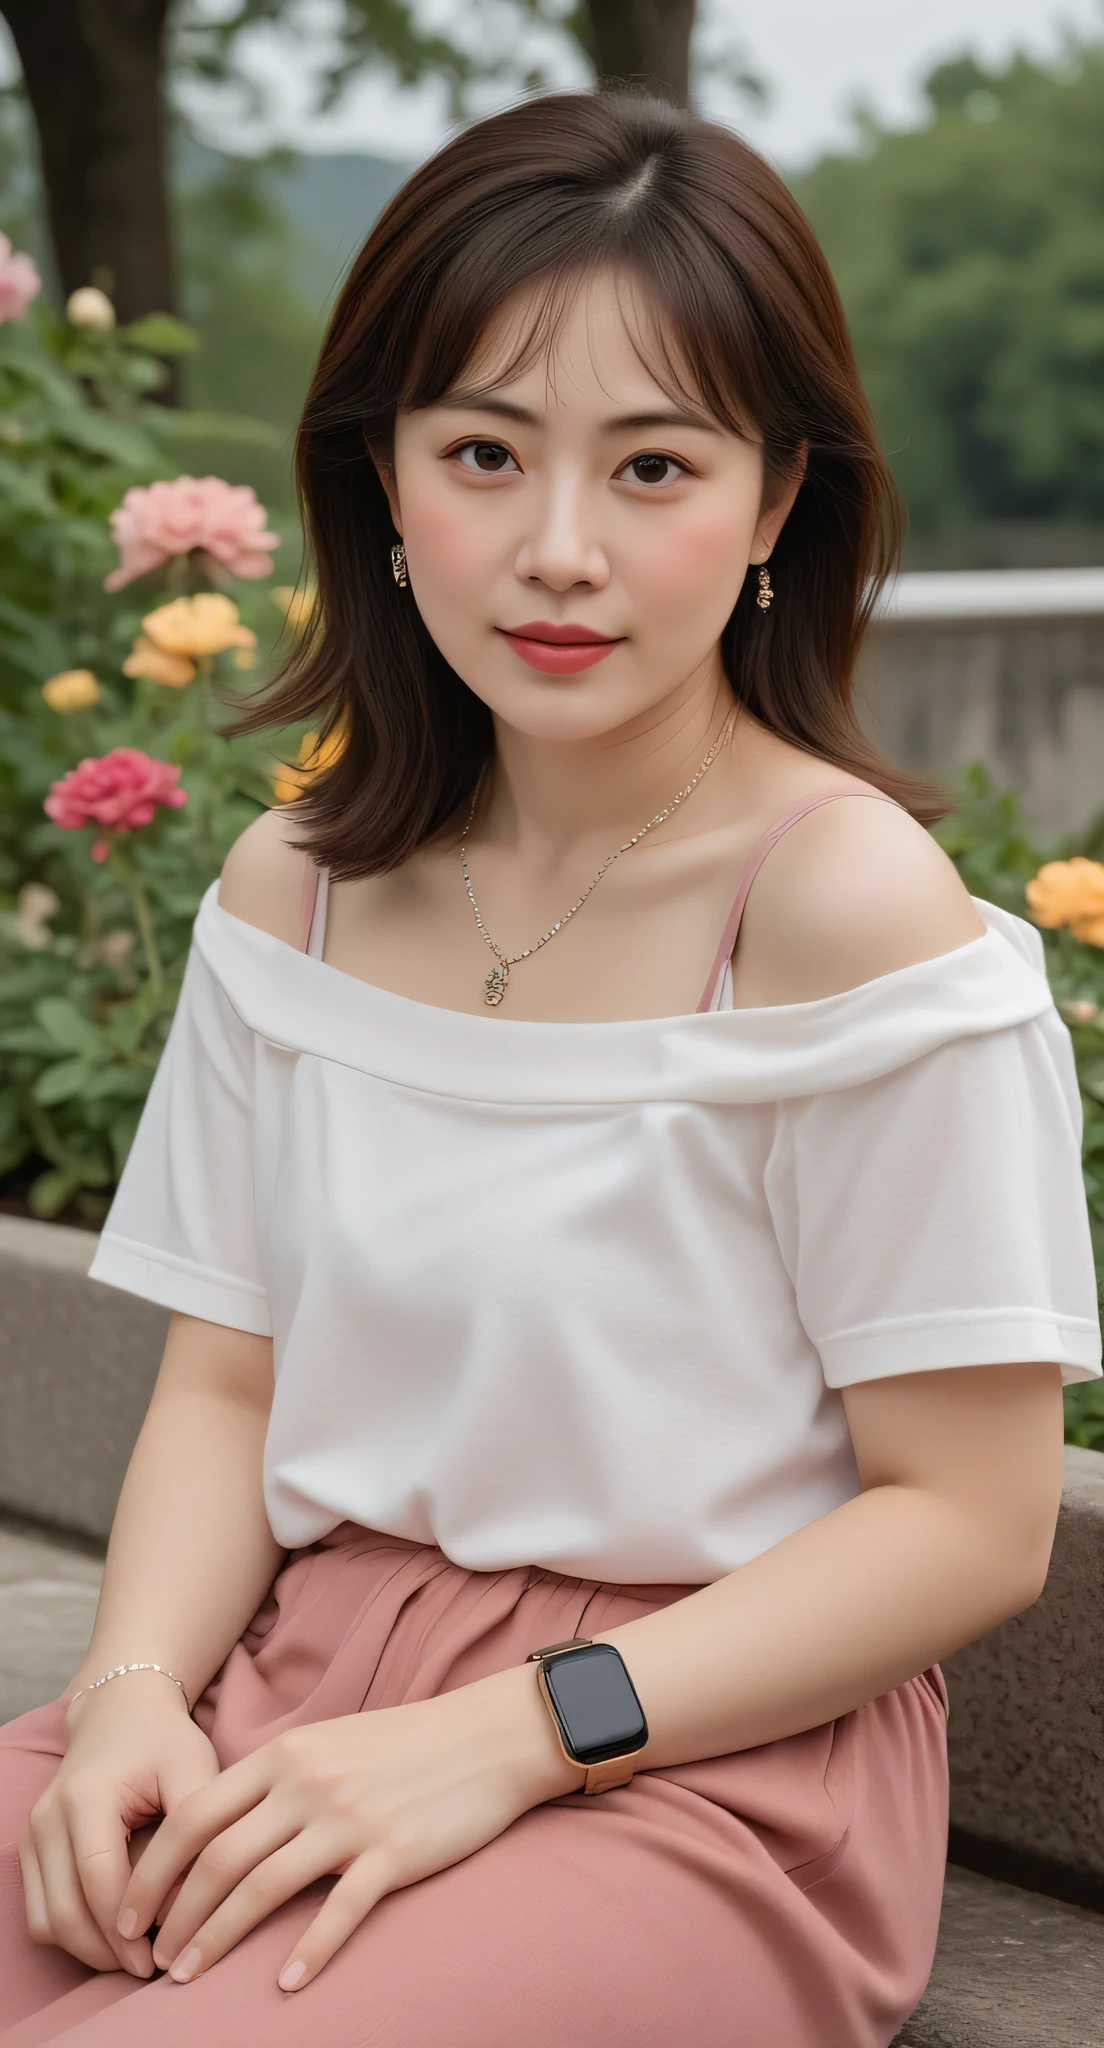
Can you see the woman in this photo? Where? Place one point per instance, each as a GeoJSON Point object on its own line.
{"type": "Point", "coordinates": [544, 1273]}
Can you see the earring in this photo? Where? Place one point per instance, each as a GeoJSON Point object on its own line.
{"type": "Point", "coordinates": [765, 592]}
{"type": "Point", "coordinates": [398, 564]}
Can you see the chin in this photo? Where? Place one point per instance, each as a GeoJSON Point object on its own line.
{"type": "Point", "coordinates": [565, 709]}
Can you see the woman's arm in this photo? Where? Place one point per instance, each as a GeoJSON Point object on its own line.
{"type": "Point", "coordinates": [191, 1553]}
{"type": "Point", "coordinates": [190, 1559]}
{"type": "Point", "coordinates": [961, 1474]}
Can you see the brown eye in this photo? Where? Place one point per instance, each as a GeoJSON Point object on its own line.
{"type": "Point", "coordinates": [652, 469]}
{"type": "Point", "coordinates": [490, 458]}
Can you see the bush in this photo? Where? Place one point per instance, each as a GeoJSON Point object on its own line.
{"type": "Point", "coordinates": [996, 859]}
{"type": "Point", "coordinates": [95, 924]}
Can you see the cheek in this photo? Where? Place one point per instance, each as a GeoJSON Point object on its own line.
{"type": "Point", "coordinates": [449, 549]}
{"type": "Point", "coordinates": [691, 568]}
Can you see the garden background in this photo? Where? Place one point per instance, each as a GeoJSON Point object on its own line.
{"type": "Point", "coordinates": [160, 305]}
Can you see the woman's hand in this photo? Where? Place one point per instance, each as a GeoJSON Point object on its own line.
{"type": "Point", "coordinates": [381, 1798]}
{"type": "Point", "coordinates": [133, 1754]}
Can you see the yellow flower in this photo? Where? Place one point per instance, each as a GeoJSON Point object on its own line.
{"type": "Point", "coordinates": [73, 690]}
{"type": "Point", "coordinates": [297, 605]}
{"type": "Point", "coordinates": [1070, 892]}
{"type": "Point", "coordinates": [313, 756]}
{"type": "Point", "coordinates": [197, 626]}
{"type": "Point", "coordinates": [154, 666]}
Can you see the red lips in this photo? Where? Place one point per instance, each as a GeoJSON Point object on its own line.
{"type": "Point", "coordinates": [559, 650]}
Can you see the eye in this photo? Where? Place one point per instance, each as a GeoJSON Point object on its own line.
{"type": "Point", "coordinates": [487, 458]}
{"type": "Point", "coordinates": [652, 469]}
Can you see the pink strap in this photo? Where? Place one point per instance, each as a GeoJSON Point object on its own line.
{"type": "Point", "coordinates": [310, 898]}
{"type": "Point", "coordinates": [752, 865]}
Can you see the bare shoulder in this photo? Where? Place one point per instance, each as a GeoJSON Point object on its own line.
{"type": "Point", "coordinates": [853, 891]}
{"type": "Point", "coordinates": [263, 877]}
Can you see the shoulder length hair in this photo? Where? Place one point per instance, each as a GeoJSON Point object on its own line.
{"type": "Point", "coordinates": [746, 310]}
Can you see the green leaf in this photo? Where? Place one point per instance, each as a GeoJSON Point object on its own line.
{"type": "Point", "coordinates": [68, 1028]}
{"type": "Point", "coordinates": [162, 334]}
{"type": "Point", "coordinates": [51, 1191]}
{"type": "Point", "coordinates": [62, 1081]}
{"type": "Point", "coordinates": [170, 425]}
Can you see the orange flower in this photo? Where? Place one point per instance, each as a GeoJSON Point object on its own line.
{"type": "Point", "coordinates": [155, 666]}
{"type": "Point", "coordinates": [314, 755]}
{"type": "Point", "coordinates": [197, 626]}
{"type": "Point", "coordinates": [1070, 892]}
{"type": "Point", "coordinates": [73, 690]}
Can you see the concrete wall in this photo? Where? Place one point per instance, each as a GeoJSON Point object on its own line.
{"type": "Point", "coordinates": [1002, 668]}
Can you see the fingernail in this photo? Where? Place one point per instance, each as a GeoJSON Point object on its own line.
{"type": "Point", "coordinates": [142, 1966]}
{"type": "Point", "coordinates": [186, 1966]}
{"type": "Point", "coordinates": [128, 1924]}
{"type": "Point", "coordinates": [291, 1975]}
{"type": "Point", "coordinates": [162, 1961]}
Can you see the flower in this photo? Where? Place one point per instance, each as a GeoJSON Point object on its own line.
{"type": "Point", "coordinates": [313, 757]}
{"type": "Point", "coordinates": [196, 626]}
{"type": "Point", "coordinates": [120, 791]}
{"type": "Point", "coordinates": [1081, 1011]}
{"type": "Point", "coordinates": [157, 521]}
{"type": "Point", "coordinates": [297, 605]}
{"type": "Point", "coordinates": [19, 282]}
{"type": "Point", "coordinates": [1070, 892]}
{"type": "Point", "coordinates": [155, 666]}
{"type": "Point", "coordinates": [88, 306]}
{"type": "Point", "coordinates": [35, 906]}
{"type": "Point", "coordinates": [73, 690]}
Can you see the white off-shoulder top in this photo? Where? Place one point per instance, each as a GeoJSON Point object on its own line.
{"type": "Point", "coordinates": [584, 1296]}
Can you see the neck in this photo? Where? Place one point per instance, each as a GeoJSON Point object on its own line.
{"type": "Point", "coordinates": [552, 794]}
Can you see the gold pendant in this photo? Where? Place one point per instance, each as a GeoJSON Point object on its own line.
{"type": "Point", "coordinates": [496, 984]}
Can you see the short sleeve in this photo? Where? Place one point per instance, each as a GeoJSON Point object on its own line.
{"type": "Point", "coordinates": [936, 1216]}
{"type": "Point", "coordinates": [182, 1228]}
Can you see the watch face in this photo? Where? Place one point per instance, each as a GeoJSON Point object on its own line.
{"type": "Point", "coordinates": [595, 1704]}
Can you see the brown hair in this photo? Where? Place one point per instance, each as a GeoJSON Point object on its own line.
{"type": "Point", "coordinates": [745, 304]}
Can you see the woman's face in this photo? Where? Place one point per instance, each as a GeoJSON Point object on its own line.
{"type": "Point", "coordinates": [575, 539]}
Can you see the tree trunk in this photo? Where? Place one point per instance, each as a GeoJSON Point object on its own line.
{"type": "Point", "coordinates": [92, 70]}
{"type": "Point", "coordinates": [646, 42]}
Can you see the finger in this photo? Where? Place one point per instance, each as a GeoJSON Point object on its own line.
{"type": "Point", "coordinates": [70, 1922]}
{"type": "Point", "coordinates": [217, 1871]}
{"type": "Point", "coordinates": [364, 1884]}
{"type": "Point", "coordinates": [99, 1842]}
{"type": "Point", "coordinates": [34, 1898]}
{"type": "Point", "coordinates": [268, 1885]}
{"type": "Point", "coordinates": [183, 1834]}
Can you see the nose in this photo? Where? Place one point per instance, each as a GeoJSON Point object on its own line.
{"type": "Point", "coordinates": [561, 548]}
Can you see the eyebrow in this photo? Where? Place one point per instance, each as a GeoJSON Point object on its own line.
{"type": "Point", "coordinates": [634, 422]}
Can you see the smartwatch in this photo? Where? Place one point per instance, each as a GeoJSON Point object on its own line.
{"type": "Point", "coordinates": [598, 1718]}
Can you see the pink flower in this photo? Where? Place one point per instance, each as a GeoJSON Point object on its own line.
{"type": "Point", "coordinates": [159, 520]}
{"type": "Point", "coordinates": [19, 282]}
{"type": "Point", "coordinates": [120, 790]}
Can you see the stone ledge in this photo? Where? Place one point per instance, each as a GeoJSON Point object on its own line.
{"type": "Point", "coordinates": [1026, 1731]}
{"type": "Point", "coordinates": [1012, 1971]}
{"type": "Point", "coordinates": [77, 1366]}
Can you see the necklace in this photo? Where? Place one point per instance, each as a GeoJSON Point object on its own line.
{"type": "Point", "coordinates": [498, 980]}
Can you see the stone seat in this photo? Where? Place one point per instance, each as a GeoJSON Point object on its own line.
{"type": "Point", "coordinates": [1020, 1962]}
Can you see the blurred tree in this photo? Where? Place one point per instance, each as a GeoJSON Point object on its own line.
{"type": "Point", "coordinates": [92, 71]}
{"type": "Point", "coordinates": [970, 256]}
{"type": "Point", "coordinates": [94, 74]}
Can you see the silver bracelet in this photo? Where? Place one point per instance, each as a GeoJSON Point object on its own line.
{"type": "Point", "coordinates": [120, 1671]}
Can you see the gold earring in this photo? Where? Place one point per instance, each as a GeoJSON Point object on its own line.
{"type": "Point", "coordinates": [398, 564]}
{"type": "Point", "coordinates": [765, 592]}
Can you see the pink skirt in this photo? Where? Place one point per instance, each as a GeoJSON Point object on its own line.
{"type": "Point", "coordinates": [781, 1897]}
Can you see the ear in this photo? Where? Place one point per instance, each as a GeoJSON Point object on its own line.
{"type": "Point", "coordinates": [778, 503]}
{"type": "Point", "coordinates": [385, 470]}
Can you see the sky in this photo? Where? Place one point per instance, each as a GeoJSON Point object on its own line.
{"type": "Point", "coordinates": [817, 58]}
